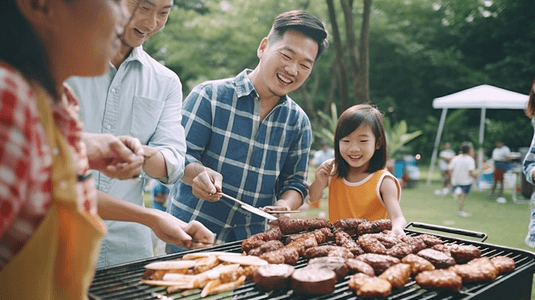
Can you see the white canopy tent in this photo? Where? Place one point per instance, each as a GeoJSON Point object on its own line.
{"type": "Point", "coordinates": [480, 97]}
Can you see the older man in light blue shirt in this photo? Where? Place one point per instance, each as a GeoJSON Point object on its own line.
{"type": "Point", "coordinates": [138, 97]}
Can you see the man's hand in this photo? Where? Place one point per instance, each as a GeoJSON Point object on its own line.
{"type": "Point", "coordinates": [207, 184]}
{"type": "Point", "coordinates": [172, 230]}
{"type": "Point", "coordinates": [201, 236]}
{"type": "Point", "coordinates": [117, 157]}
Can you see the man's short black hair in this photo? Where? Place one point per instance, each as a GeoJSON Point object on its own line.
{"type": "Point", "coordinates": [465, 147]}
{"type": "Point", "coordinates": [303, 22]}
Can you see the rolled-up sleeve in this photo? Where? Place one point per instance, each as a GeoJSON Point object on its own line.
{"type": "Point", "coordinates": [169, 137]}
{"type": "Point", "coordinates": [294, 172]}
{"type": "Point", "coordinates": [197, 122]}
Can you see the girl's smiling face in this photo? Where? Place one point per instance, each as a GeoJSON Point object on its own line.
{"type": "Point", "coordinates": [358, 148]}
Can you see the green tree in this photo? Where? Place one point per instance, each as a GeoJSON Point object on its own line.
{"type": "Point", "coordinates": [418, 50]}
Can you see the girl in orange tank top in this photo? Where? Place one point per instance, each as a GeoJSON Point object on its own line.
{"type": "Point", "coordinates": [359, 184]}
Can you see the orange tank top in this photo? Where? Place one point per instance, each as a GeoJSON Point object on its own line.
{"type": "Point", "coordinates": [358, 199]}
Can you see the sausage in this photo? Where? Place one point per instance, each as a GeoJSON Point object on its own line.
{"type": "Point", "coordinates": [358, 266]}
{"type": "Point", "coordinates": [266, 247]}
{"type": "Point", "coordinates": [336, 264]}
{"type": "Point", "coordinates": [343, 239]}
{"type": "Point", "coordinates": [318, 223]}
{"type": "Point", "coordinates": [289, 226]}
{"type": "Point", "coordinates": [312, 281]}
{"type": "Point", "coordinates": [273, 276]}
{"type": "Point", "coordinates": [256, 240]}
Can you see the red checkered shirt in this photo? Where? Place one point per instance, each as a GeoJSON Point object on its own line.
{"type": "Point", "coordinates": [26, 160]}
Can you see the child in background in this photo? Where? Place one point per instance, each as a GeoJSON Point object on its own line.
{"type": "Point", "coordinates": [446, 156]}
{"type": "Point", "coordinates": [462, 169]}
{"type": "Point", "coordinates": [502, 163]}
{"type": "Point", "coordinates": [159, 195]}
{"type": "Point", "coordinates": [359, 184]}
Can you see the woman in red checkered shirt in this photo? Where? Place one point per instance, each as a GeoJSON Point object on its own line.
{"type": "Point", "coordinates": [49, 227]}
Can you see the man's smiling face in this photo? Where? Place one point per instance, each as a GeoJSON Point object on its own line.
{"type": "Point", "coordinates": [148, 17]}
{"type": "Point", "coordinates": [286, 63]}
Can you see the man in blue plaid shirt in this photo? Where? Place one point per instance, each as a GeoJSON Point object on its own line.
{"type": "Point", "coordinates": [247, 138]}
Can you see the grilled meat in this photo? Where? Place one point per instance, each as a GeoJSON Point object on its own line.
{"type": "Point", "coordinates": [289, 226]}
{"type": "Point", "coordinates": [430, 240]}
{"type": "Point", "coordinates": [379, 262]}
{"type": "Point", "coordinates": [439, 259]}
{"type": "Point", "coordinates": [344, 239]}
{"type": "Point", "coordinates": [399, 250]}
{"type": "Point", "coordinates": [318, 223]}
{"type": "Point", "coordinates": [461, 253]}
{"type": "Point", "coordinates": [367, 286]}
{"type": "Point", "coordinates": [504, 264]}
{"type": "Point", "coordinates": [398, 275]}
{"type": "Point", "coordinates": [359, 266]}
{"type": "Point", "coordinates": [266, 247]}
{"type": "Point", "coordinates": [336, 264]}
{"type": "Point", "coordinates": [439, 280]}
{"type": "Point", "coordinates": [370, 244]}
{"type": "Point", "coordinates": [418, 264]}
{"type": "Point", "coordinates": [285, 255]}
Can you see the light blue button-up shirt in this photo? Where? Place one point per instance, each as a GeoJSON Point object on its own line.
{"type": "Point", "coordinates": [142, 99]}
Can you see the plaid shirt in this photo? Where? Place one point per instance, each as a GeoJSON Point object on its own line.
{"type": "Point", "coordinates": [26, 161]}
{"type": "Point", "coordinates": [259, 160]}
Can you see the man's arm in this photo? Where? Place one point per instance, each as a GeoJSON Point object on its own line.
{"type": "Point", "coordinates": [294, 172]}
{"type": "Point", "coordinates": [165, 154]}
{"type": "Point", "coordinates": [197, 121]}
{"type": "Point", "coordinates": [164, 225]}
{"type": "Point", "coordinates": [291, 199]}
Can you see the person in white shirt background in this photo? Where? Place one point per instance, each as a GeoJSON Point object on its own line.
{"type": "Point", "coordinates": [323, 154]}
{"type": "Point", "coordinates": [501, 155]}
{"type": "Point", "coordinates": [462, 169]}
{"type": "Point", "coordinates": [446, 155]}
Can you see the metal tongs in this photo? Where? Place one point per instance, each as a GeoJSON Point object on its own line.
{"type": "Point", "coordinates": [250, 208]}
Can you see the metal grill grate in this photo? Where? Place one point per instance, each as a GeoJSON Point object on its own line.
{"type": "Point", "coordinates": [123, 281]}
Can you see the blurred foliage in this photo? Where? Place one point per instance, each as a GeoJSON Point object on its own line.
{"type": "Point", "coordinates": [326, 133]}
{"type": "Point", "coordinates": [419, 50]}
{"type": "Point", "coordinates": [397, 136]}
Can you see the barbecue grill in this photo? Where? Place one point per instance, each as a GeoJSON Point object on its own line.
{"type": "Point", "coordinates": [123, 281]}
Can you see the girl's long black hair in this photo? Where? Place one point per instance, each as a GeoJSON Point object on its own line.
{"type": "Point", "coordinates": [530, 110]}
{"type": "Point", "coordinates": [348, 122]}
